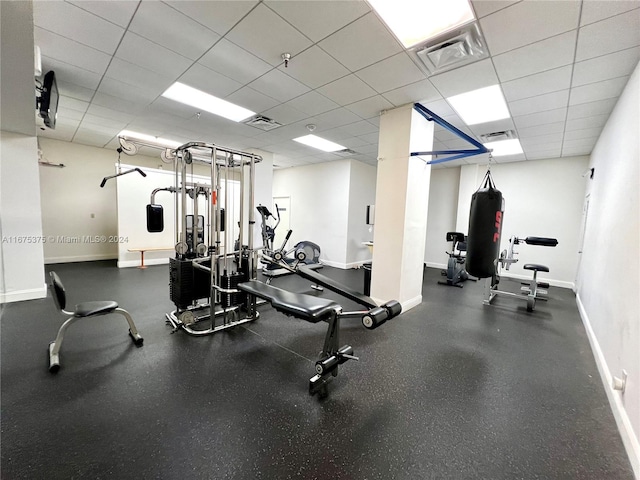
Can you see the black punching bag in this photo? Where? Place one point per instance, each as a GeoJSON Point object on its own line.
{"type": "Point", "coordinates": [485, 227]}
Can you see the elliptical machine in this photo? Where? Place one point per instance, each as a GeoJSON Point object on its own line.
{"type": "Point", "coordinates": [304, 252]}
{"type": "Point", "coordinates": [455, 272]}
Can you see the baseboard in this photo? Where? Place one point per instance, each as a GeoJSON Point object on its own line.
{"type": "Point", "coordinates": [80, 258]}
{"type": "Point", "coordinates": [440, 266]}
{"type": "Point", "coordinates": [629, 437]}
{"type": "Point", "coordinates": [22, 295]}
{"type": "Point", "coordinates": [330, 263]}
{"type": "Point", "coordinates": [147, 261]}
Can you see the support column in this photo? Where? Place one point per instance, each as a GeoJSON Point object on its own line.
{"type": "Point", "coordinates": [402, 197]}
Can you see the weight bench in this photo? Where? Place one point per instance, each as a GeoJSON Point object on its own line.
{"type": "Point", "coordinates": [315, 309]}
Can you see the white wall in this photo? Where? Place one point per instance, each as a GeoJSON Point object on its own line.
{"type": "Point", "coordinates": [362, 192]}
{"type": "Point", "coordinates": [319, 206]}
{"type": "Point", "coordinates": [608, 280]}
{"type": "Point", "coordinates": [443, 205]}
{"type": "Point", "coordinates": [543, 198]}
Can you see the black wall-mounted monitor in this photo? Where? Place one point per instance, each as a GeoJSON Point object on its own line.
{"type": "Point", "coordinates": [49, 100]}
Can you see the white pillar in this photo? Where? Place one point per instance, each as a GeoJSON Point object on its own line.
{"type": "Point", "coordinates": [21, 251]}
{"type": "Point", "coordinates": [402, 197]}
{"type": "Point", "coordinates": [468, 186]}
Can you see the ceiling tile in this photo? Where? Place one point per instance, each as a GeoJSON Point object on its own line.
{"type": "Point", "coordinates": [67, 113]}
{"type": "Point", "coordinates": [285, 114]}
{"type": "Point", "coordinates": [220, 17]}
{"type": "Point", "coordinates": [75, 91]}
{"type": "Point", "coordinates": [314, 67]}
{"type": "Point", "coordinates": [101, 122]}
{"type": "Point", "coordinates": [65, 50]}
{"type": "Point", "coordinates": [62, 132]}
{"type": "Point", "coordinates": [347, 90]}
{"type": "Point", "coordinates": [614, 65]}
{"type": "Point", "coordinates": [335, 118]}
{"type": "Point", "coordinates": [317, 19]}
{"type": "Point", "coordinates": [362, 43]}
{"type": "Point", "coordinates": [544, 154]}
{"type": "Point", "coordinates": [580, 142]}
{"type": "Point", "coordinates": [597, 91]}
{"type": "Point", "coordinates": [75, 23]}
{"type": "Point", "coordinates": [543, 147]}
{"type": "Point", "coordinates": [124, 91]}
{"type": "Point", "coordinates": [90, 137]}
{"type": "Point", "coordinates": [608, 36]}
{"type": "Point", "coordinates": [234, 62]}
{"type": "Point", "coordinates": [510, 158]}
{"type": "Point", "coordinates": [151, 56]}
{"type": "Point", "coordinates": [576, 151]}
{"type": "Point", "coordinates": [137, 76]}
{"type": "Point", "coordinates": [104, 112]}
{"type": "Point", "coordinates": [359, 128]}
{"type": "Point", "coordinates": [249, 98]}
{"type": "Point", "coordinates": [279, 85]}
{"type": "Point", "coordinates": [596, 10]}
{"type": "Point", "coordinates": [540, 118]}
{"type": "Point", "coordinates": [593, 132]}
{"type": "Point", "coordinates": [391, 73]}
{"type": "Point", "coordinates": [586, 122]}
{"type": "Point", "coordinates": [465, 79]}
{"type": "Point", "coordinates": [118, 104]}
{"type": "Point", "coordinates": [422, 91]}
{"type": "Point", "coordinates": [73, 104]}
{"type": "Point", "coordinates": [538, 84]}
{"type": "Point", "coordinates": [312, 103]}
{"type": "Point", "coordinates": [538, 130]}
{"type": "Point", "coordinates": [116, 11]}
{"type": "Point", "coordinates": [268, 36]}
{"type": "Point", "coordinates": [81, 77]}
{"type": "Point", "coordinates": [200, 77]}
{"type": "Point", "coordinates": [370, 138]}
{"type": "Point", "coordinates": [540, 103]}
{"type": "Point", "coordinates": [541, 140]}
{"type": "Point", "coordinates": [504, 30]}
{"type": "Point", "coordinates": [370, 107]}
{"type": "Point", "coordinates": [592, 108]}
{"type": "Point", "coordinates": [164, 25]}
{"type": "Point", "coordinates": [540, 56]}
{"type": "Point", "coordinates": [440, 108]}
{"type": "Point", "coordinates": [487, 7]}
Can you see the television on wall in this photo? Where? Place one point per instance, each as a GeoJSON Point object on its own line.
{"type": "Point", "coordinates": [49, 100]}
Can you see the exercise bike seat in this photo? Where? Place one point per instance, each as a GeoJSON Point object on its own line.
{"type": "Point", "coordinates": [307, 307]}
{"type": "Point", "coordinates": [536, 267]}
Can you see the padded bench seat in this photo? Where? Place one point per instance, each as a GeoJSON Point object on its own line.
{"type": "Point", "coordinates": [307, 307]}
{"type": "Point", "coordinates": [536, 267]}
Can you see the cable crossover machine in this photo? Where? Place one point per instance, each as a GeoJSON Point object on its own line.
{"type": "Point", "coordinates": [213, 275]}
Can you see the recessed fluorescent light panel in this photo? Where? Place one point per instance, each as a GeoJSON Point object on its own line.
{"type": "Point", "coordinates": [415, 21]}
{"type": "Point", "coordinates": [504, 147]}
{"type": "Point", "coordinates": [203, 101]}
{"type": "Point", "coordinates": [165, 142]}
{"type": "Point", "coordinates": [480, 106]}
{"type": "Point", "coordinates": [319, 143]}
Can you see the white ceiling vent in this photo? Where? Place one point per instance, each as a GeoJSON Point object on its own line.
{"type": "Point", "coordinates": [262, 122]}
{"type": "Point", "coordinates": [347, 152]}
{"type": "Point", "coordinates": [497, 136]}
{"type": "Point", "coordinates": [454, 49]}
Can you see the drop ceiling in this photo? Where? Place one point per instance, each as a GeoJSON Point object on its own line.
{"type": "Point", "coordinates": [561, 66]}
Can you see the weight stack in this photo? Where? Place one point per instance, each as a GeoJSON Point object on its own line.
{"type": "Point", "coordinates": [230, 281]}
{"type": "Point", "coordinates": [186, 284]}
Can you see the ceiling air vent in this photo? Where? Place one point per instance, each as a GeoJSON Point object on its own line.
{"type": "Point", "coordinates": [497, 136]}
{"type": "Point", "coordinates": [262, 122]}
{"type": "Point", "coordinates": [347, 152]}
{"type": "Point", "coordinates": [454, 49]}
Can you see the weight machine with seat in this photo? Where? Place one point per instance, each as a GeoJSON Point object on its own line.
{"type": "Point", "coordinates": [533, 290]}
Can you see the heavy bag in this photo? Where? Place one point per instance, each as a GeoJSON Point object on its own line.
{"type": "Point", "coordinates": [485, 227]}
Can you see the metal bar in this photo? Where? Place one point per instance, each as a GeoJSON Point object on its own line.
{"type": "Point", "coordinates": [457, 154]}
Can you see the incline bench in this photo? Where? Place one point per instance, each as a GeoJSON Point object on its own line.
{"type": "Point", "coordinates": [315, 309]}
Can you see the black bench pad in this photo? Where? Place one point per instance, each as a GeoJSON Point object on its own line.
{"type": "Point", "coordinates": [534, 266]}
{"type": "Point", "coordinates": [305, 272]}
{"type": "Point", "coordinates": [541, 241]}
{"type": "Point", "coordinates": [307, 307]}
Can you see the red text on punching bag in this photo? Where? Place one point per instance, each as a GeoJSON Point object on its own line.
{"type": "Point", "coordinates": [496, 235]}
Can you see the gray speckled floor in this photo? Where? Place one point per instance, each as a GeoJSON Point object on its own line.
{"type": "Point", "coordinates": [449, 390]}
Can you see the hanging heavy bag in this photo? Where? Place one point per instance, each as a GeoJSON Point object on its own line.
{"type": "Point", "coordinates": [485, 227]}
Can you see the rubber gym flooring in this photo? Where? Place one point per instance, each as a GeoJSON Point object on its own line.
{"type": "Point", "coordinates": [451, 389]}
